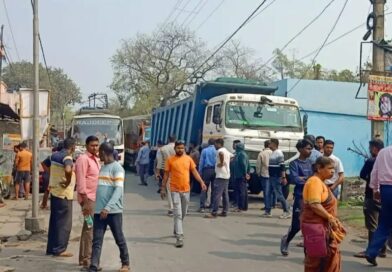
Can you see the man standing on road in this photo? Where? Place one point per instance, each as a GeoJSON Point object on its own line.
{"type": "Point", "coordinates": [23, 162]}
{"type": "Point", "coordinates": [178, 168]}
{"type": "Point", "coordinates": [221, 182]}
{"type": "Point", "coordinates": [338, 175]}
{"type": "Point", "coordinates": [166, 152]}
{"type": "Point", "coordinates": [87, 171]}
{"type": "Point", "coordinates": [241, 173]}
{"type": "Point", "coordinates": [61, 184]}
{"type": "Point", "coordinates": [143, 162]}
{"type": "Point", "coordinates": [381, 184]}
{"type": "Point", "coordinates": [109, 208]}
{"type": "Point", "coordinates": [371, 208]}
{"type": "Point", "coordinates": [262, 165]}
{"type": "Point", "coordinates": [300, 170]}
{"type": "Point", "coordinates": [277, 175]}
{"type": "Point", "coordinates": [207, 171]}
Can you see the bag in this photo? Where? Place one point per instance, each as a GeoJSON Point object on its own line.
{"type": "Point", "coordinates": [315, 240]}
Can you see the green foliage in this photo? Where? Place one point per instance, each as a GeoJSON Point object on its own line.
{"type": "Point", "coordinates": [64, 90]}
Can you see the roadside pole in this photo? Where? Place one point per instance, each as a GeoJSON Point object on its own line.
{"type": "Point", "coordinates": [377, 127]}
{"type": "Point", "coordinates": [34, 223]}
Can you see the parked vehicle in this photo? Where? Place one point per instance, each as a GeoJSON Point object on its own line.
{"type": "Point", "coordinates": [233, 109]}
{"type": "Point", "coordinates": [136, 130]}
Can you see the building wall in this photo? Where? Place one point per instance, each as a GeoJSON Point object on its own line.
{"type": "Point", "coordinates": [334, 113]}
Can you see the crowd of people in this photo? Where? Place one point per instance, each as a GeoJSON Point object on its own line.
{"type": "Point", "coordinates": [316, 173]}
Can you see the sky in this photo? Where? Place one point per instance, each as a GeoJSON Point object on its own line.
{"type": "Point", "coordinates": [80, 36]}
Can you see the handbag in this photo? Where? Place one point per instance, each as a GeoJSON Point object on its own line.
{"type": "Point", "coordinates": [315, 239]}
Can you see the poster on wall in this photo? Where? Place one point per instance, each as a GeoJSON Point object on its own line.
{"type": "Point", "coordinates": [10, 140]}
{"type": "Point", "coordinates": [379, 98]}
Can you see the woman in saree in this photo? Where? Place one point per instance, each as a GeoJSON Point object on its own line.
{"type": "Point", "coordinates": [321, 229]}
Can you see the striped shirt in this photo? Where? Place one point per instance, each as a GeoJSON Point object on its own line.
{"type": "Point", "coordinates": [110, 189]}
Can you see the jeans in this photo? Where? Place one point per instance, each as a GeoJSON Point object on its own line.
{"type": "Point", "coordinates": [180, 208]}
{"type": "Point", "coordinates": [267, 190]}
{"type": "Point", "coordinates": [143, 173]}
{"type": "Point", "coordinates": [208, 175]}
{"type": "Point", "coordinates": [60, 225]}
{"type": "Point", "coordinates": [295, 226]}
{"type": "Point", "coordinates": [114, 221]}
{"type": "Point", "coordinates": [221, 190]}
{"type": "Point", "coordinates": [277, 187]}
{"type": "Point", "coordinates": [242, 194]}
{"type": "Point", "coordinates": [384, 222]}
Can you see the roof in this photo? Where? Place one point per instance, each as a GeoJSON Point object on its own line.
{"type": "Point", "coordinates": [7, 112]}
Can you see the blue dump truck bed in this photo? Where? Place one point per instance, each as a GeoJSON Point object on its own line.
{"type": "Point", "coordinates": [185, 117]}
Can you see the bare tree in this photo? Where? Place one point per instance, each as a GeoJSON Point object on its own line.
{"type": "Point", "coordinates": [160, 67]}
{"type": "Point", "coordinates": [239, 61]}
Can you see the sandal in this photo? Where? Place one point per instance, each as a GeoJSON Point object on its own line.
{"type": "Point", "coordinates": [124, 268]}
{"type": "Point", "coordinates": [64, 254]}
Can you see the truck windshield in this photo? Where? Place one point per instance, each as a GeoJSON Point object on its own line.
{"type": "Point", "coordinates": [105, 129]}
{"type": "Point", "coordinates": [242, 114]}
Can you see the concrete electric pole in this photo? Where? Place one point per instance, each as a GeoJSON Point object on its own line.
{"type": "Point", "coordinates": [34, 223]}
{"type": "Point", "coordinates": [377, 127]}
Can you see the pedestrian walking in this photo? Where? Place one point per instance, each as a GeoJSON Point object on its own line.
{"type": "Point", "coordinates": [337, 179]}
{"type": "Point", "coordinates": [241, 174]}
{"type": "Point", "coordinates": [207, 171]}
{"type": "Point", "coordinates": [301, 170]}
{"type": "Point", "coordinates": [109, 208]}
{"type": "Point", "coordinates": [23, 162]}
{"type": "Point", "coordinates": [381, 184]}
{"type": "Point", "coordinates": [262, 165]}
{"type": "Point", "coordinates": [166, 152]}
{"type": "Point", "coordinates": [61, 184]}
{"type": "Point", "coordinates": [177, 172]}
{"type": "Point", "coordinates": [143, 162]}
{"type": "Point", "coordinates": [87, 171]}
{"type": "Point", "coordinates": [221, 182]}
{"type": "Point", "coordinates": [371, 208]}
{"type": "Point", "coordinates": [277, 175]}
{"type": "Point", "coordinates": [320, 227]}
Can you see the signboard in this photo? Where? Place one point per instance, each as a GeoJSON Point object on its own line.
{"type": "Point", "coordinates": [27, 112]}
{"type": "Point", "coordinates": [379, 98]}
{"type": "Point", "coordinates": [10, 140]}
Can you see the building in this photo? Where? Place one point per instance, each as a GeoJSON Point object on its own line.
{"type": "Point", "coordinates": [334, 112]}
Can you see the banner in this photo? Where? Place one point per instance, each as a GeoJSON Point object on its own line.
{"type": "Point", "coordinates": [379, 98]}
{"type": "Point", "coordinates": [10, 140]}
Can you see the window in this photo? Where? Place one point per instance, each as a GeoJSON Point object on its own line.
{"type": "Point", "coordinates": [209, 115]}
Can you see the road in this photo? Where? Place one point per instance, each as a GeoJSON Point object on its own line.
{"type": "Point", "coordinates": [239, 242]}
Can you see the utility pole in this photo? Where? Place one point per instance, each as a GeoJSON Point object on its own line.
{"type": "Point", "coordinates": [1, 52]}
{"type": "Point", "coordinates": [377, 127]}
{"type": "Point", "coordinates": [34, 223]}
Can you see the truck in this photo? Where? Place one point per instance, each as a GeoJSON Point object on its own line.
{"type": "Point", "coordinates": [101, 124]}
{"type": "Point", "coordinates": [232, 109]}
{"type": "Point", "coordinates": [136, 130]}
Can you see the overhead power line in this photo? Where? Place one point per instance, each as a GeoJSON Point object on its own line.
{"type": "Point", "coordinates": [231, 36]}
{"type": "Point", "coordinates": [311, 22]}
{"type": "Point", "coordinates": [210, 15]}
{"type": "Point", "coordinates": [10, 26]}
{"type": "Point", "coordinates": [179, 2]}
{"type": "Point", "coordinates": [338, 38]}
{"type": "Point", "coordinates": [198, 8]}
{"type": "Point", "coordinates": [321, 47]}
